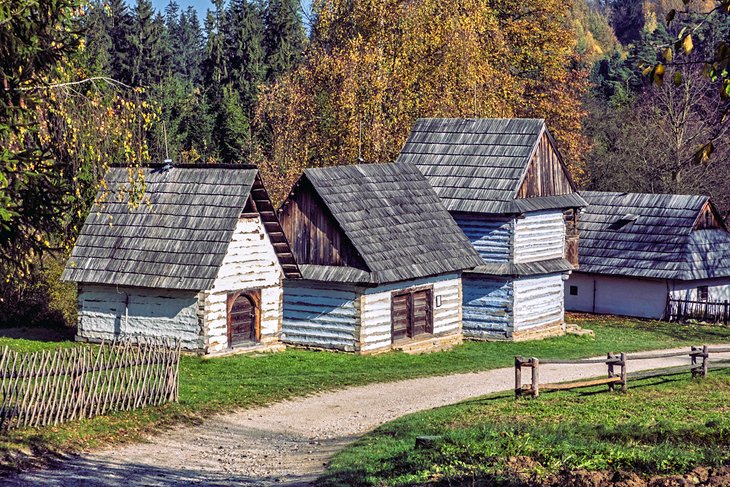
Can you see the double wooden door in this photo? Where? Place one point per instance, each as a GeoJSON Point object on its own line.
{"type": "Point", "coordinates": [411, 314]}
{"type": "Point", "coordinates": [243, 317]}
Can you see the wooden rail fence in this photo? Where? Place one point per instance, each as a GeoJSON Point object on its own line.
{"type": "Point", "coordinates": [53, 386]}
{"type": "Point", "coordinates": [699, 367]}
{"type": "Point", "coordinates": [680, 310]}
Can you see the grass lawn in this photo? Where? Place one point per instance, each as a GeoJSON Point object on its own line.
{"type": "Point", "coordinates": [215, 385]}
{"type": "Point", "coordinates": [660, 426]}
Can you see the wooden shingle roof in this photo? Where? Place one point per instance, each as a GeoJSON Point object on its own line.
{"type": "Point", "coordinates": [478, 165]}
{"type": "Point", "coordinates": [175, 238]}
{"type": "Point", "coordinates": [652, 236]}
{"type": "Point", "coordinates": [394, 219]}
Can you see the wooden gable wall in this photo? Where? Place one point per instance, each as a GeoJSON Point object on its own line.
{"type": "Point", "coordinates": [546, 175]}
{"type": "Point", "coordinates": [313, 234]}
{"type": "Point", "coordinates": [708, 218]}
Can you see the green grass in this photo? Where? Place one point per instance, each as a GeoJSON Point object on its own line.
{"type": "Point", "coordinates": [226, 383]}
{"type": "Point", "coordinates": [660, 426]}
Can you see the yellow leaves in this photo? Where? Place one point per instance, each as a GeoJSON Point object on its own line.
{"type": "Point", "coordinates": [668, 54]}
{"type": "Point", "coordinates": [687, 44]}
{"type": "Point", "coordinates": [702, 156]}
{"type": "Point", "coordinates": [658, 74]}
{"type": "Point", "coordinates": [380, 65]}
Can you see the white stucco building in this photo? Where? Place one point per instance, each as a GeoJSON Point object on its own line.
{"type": "Point", "coordinates": [640, 253]}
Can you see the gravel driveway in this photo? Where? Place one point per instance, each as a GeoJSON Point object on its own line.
{"type": "Point", "coordinates": [287, 443]}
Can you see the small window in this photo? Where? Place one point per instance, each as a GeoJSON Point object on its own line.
{"type": "Point", "coordinates": [573, 290]}
{"type": "Point", "coordinates": [702, 293]}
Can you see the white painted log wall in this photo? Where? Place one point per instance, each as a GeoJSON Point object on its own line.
{"type": "Point", "coordinates": [103, 313]}
{"type": "Point", "coordinates": [375, 323]}
{"type": "Point", "coordinates": [322, 315]}
{"type": "Point", "coordinates": [250, 264]}
{"type": "Point", "coordinates": [538, 300]}
{"type": "Point", "coordinates": [487, 307]}
{"type": "Point", "coordinates": [539, 236]}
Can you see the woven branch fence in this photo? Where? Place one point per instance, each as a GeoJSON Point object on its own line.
{"type": "Point", "coordinates": [54, 386]}
{"type": "Point", "coordinates": [681, 310]}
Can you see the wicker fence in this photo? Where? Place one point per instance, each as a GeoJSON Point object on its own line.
{"type": "Point", "coordinates": [684, 309]}
{"type": "Point", "coordinates": [51, 387]}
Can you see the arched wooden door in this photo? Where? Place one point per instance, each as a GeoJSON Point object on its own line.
{"type": "Point", "coordinates": [243, 318]}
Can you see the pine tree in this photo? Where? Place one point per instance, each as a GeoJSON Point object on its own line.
{"type": "Point", "coordinates": [147, 42]}
{"type": "Point", "coordinates": [215, 72]}
{"type": "Point", "coordinates": [190, 42]}
{"type": "Point", "coordinates": [284, 37]}
{"type": "Point", "coordinates": [120, 32]}
{"type": "Point", "coordinates": [232, 127]}
{"type": "Point", "coordinates": [244, 35]}
{"type": "Point", "coordinates": [97, 26]}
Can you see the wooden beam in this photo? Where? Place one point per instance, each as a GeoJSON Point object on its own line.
{"type": "Point", "coordinates": [576, 385]}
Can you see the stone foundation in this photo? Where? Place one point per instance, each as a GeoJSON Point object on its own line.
{"type": "Point", "coordinates": [548, 330]}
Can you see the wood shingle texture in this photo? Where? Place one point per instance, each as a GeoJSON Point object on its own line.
{"type": "Point", "coordinates": [392, 217]}
{"type": "Point", "coordinates": [484, 165]}
{"type": "Point", "coordinates": [658, 236]}
{"type": "Point", "coordinates": [175, 237]}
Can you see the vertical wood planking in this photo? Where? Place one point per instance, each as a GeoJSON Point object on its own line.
{"type": "Point", "coordinates": [545, 175]}
{"type": "Point", "coordinates": [313, 233]}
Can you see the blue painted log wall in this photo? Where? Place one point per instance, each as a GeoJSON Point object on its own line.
{"type": "Point", "coordinates": [491, 237]}
{"type": "Point", "coordinates": [487, 307]}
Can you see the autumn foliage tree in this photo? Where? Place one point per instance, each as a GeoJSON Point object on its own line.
{"type": "Point", "coordinates": [59, 130]}
{"type": "Point", "coordinates": [373, 68]}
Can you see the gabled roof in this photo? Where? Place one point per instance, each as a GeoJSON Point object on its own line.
{"type": "Point", "coordinates": [478, 165]}
{"type": "Point", "coordinates": [394, 220]}
{"type": "Point", "coordinates": [652, 236]}
{"type": "Point", "coordinates": [175, 238]}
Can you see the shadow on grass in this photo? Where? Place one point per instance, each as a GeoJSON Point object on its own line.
{"type": "Point", "coordinates": [39, 333]}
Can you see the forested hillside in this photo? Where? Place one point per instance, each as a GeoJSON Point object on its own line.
{"type": "Point", "coordinates": [87, 83]}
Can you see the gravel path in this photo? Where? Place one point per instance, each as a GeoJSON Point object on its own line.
{"type": "Point", "coordinates": [287, 443]}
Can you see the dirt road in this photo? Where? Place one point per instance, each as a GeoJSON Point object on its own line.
{"type": "Point", "coordinates": [287, 443]}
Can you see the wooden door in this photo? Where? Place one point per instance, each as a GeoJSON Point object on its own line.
{"type": "Point", "coordinates": [411, 314]}
{"type": "Point", "coordinates": [242, 319]}
{"type": "Point", "coordinates": [400, 314]}
{"type": "Point", "coordinates": [421, 322]}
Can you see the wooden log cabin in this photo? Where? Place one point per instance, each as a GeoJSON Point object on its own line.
{"type": "Point", "coordinates": [201, 259]}
{"type": "Point", "coordinates": [639, 252]}
{"type": "Point", "coordinates": [381, 261]}
{"type": "Point", "coordinates": [505, 184]}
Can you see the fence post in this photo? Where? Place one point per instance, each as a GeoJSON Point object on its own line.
{"type": "Point", "coordinates": [535, 376]}
{"type": "Point", "coordinates": [705, 360]}
{"type": "Point", "coordinates": [693, 361]}
{"type": "Point", "coordinates": [611, 373]}
{"type": "Point", "coordinates": [518, 377]}
{"type": "Point", "coordinates": [624, 384]}
{"type": "Point", "coordinates": [724, 314]}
